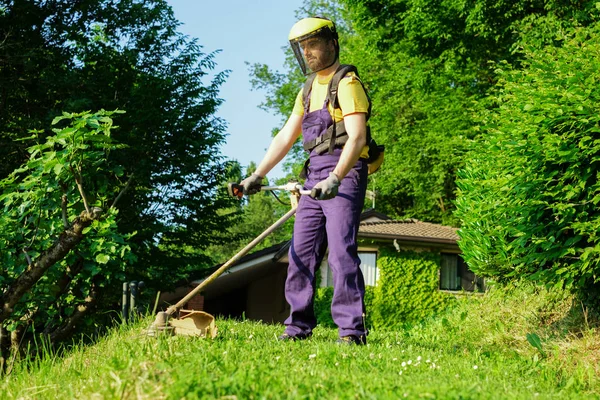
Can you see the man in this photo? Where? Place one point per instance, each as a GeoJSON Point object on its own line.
{"type": "Point", "coordinates": [339, 175]}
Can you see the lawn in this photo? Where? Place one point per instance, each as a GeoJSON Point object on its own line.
{"type": "Point", "coordinates": [478, 350]}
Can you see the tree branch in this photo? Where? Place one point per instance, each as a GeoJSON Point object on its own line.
{"type": "Point", "coordinates": [80, 188]}
{"type": "Point", "coordinates": [67, 241]}
{"type": "Point", "coordinates": [4, 349]}
{"type": "Point", "coordinates": [122, 191]}
{"type": "Point", "coordinates": [63, 283]}
{"type": "Point", "coordinates": [69, 325]}
{"type": "Point", "coordinates": [63, 204]}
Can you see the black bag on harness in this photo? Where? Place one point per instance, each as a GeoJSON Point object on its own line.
{"type": "Point", "coordinates": [336, 134]}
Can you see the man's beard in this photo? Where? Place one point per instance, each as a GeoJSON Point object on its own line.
{"type": "Point", "coordinates": [317, 64]}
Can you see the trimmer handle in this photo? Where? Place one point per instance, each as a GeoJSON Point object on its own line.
{"type": "Point", "coordinates": [235, 190]}
{"type": "Point", "coordinates": [315, 193]}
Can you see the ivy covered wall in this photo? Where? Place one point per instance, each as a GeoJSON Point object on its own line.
{"type": "Point", "coordinates": [407, 290]}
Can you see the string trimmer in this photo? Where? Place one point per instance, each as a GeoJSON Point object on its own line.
{"type": "Point", "coordinates": [200, 323]}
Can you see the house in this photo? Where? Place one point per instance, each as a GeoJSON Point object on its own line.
{"type": "Point", "coordinates": [254, 287]}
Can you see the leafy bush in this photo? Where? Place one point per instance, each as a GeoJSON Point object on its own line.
{"type": "Point", "coordinates": [529, 193]}
{"type": "Point", "coordinates": [323, 299]}
{"type": "Point", "coordinates": [407, 291]}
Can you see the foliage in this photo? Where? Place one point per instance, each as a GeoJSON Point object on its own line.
{"type": "Point", "coordinates": [59, 243]}
{"type": "Point", "coordinates": [323, 298]}
{"type": "Point", "coordinates": [475, 351]}
{"type": "Point", "coordinates": [407, 291]}
{"type": "Point", "coordinates": [529, 192]}
{"type": "Point", "coordinates": [426, 64]}
{"type": "Point", "coordinates": [408, 288]}
{"type": "Point", "coordinates": [322, 306]}
{"type": "Point", "coordinates": [105, 54]}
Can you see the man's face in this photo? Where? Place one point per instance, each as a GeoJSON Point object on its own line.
{"type": "Point", "coordinates": [319, 53]}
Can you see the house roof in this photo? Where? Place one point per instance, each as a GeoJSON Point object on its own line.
{"type": "Point", "coordinates": [372, 215]}
{"type": "Point", "coordinates": [409, 229]}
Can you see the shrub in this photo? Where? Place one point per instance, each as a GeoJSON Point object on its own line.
{"type": "Point", "coordinates": [529, 193]}
{"type": "Point", "coordinates": [407, 291]}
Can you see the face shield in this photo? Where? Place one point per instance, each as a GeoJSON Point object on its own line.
{"type": "Point", "coordinates": [314, 43]}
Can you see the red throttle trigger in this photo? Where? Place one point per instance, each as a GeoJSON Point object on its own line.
{"type": "Point", "coordinates": [235, 190]}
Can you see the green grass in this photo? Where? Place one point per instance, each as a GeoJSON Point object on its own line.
{"type": "Point", "coordinates": [479, 350]}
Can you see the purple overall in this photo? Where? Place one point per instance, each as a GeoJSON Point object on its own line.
{"type": "Point", "coordinates": [327, 223]}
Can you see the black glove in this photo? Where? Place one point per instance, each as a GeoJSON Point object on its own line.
{"type": "Point", "coordinates": [327, 188]}
{"type": "Point", "coordinates": [252, 184]}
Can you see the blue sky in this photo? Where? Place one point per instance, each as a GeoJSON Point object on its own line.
{"type": "Point", "coordinates": [244, 31]}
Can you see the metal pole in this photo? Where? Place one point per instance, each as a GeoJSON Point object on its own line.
{"type": "Point", "coordinates": [133, 289]}
{"type": "Point", "coordinates": [125, 302]}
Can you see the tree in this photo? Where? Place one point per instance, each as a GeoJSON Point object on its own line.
{"type": "Point", "coordinates": [94, 54]}
{"type": "Point", "coordinates": [60, 246]}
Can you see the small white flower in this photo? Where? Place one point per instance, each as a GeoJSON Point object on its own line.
{"type": "Point", "coordinates": [409, 362]}
{"type": "Point", "coordinates": [400, 373]}
{"type": "Point", "coordinates": [277, 358]}
{"type": "Point", "coordinates": [427, 361]}
{"type": "Point", "coordinates": [475, 367]}
{"type": "Point", "coordinates": [336, 364]}
{"type": "Point", "coordinates": [394, 359]}
{"type": "Point", "coordinates": [251, 336]}
{"type": "Point", "coordinates": [224, 353]}
{"type": "Point", "coordinates": [419, 358]}
{"type": "Point", "coordinates": [312, 356]}
{"type": "Point", "coordinates": [403, 364]}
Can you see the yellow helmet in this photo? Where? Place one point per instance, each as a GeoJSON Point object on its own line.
{"type": "Point", "coordinates": [308, 28]}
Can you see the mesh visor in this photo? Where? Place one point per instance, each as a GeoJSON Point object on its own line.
{"type": "Point", "coordinates": [313, 39]}
{"type": "Point", "coordinates": [299, 53]}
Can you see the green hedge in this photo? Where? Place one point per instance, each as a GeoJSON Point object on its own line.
{"type": "Point", "coordinates": [529, 192]}
{"type": "Point", "coordinates": [407, 291]}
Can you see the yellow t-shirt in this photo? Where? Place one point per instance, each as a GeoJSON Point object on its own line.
{"type": "Point", "coordinates": [351, 96]}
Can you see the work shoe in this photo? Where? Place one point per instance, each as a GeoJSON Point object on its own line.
{"type": "Point", "coordinates": [352, 340]}
{"type": "Point", "coordinates": [285, 337]}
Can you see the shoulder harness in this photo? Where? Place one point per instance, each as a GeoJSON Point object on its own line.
{"type": "Point", "coordinates": [336, 134]}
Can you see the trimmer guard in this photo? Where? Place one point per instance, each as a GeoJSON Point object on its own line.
{"type": "Point", "coordinates": [194, 323]}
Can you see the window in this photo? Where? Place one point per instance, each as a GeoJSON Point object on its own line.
{"type": "Point", "coordinates": [456, 275]}
{"type": "Point", "coordinates": [368, 266]}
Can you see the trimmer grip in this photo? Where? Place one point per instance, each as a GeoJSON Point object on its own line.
{"type": "Point", "coordinates": [235, 190]}
{"type": "Point", "coordinates": [315, 193]}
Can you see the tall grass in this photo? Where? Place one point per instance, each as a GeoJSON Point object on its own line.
{"type": "Point", "coordinates": [478, 350]}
